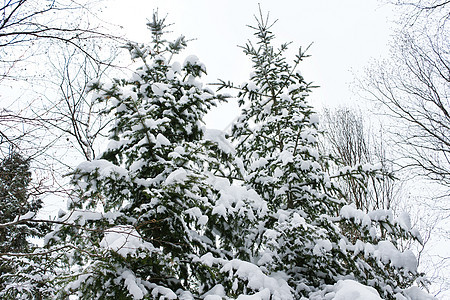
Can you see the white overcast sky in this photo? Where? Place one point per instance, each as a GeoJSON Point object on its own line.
{"type": "Point", "coordinates": [346, 35]}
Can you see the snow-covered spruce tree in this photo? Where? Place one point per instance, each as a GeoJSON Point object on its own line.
{"type": "Point", "coordinates": [156, 217]}
{"type": "Point", "coordinates": [15, 178]}
{"type": "Point", "coordinates": [22, 274]}
{"type": "Point", "coordinates": [311, 235]}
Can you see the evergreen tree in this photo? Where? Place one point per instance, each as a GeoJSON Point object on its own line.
{"type": "Point", "coordinates": [311, 235]}
{"type": "Point", "coordinates": [156, 216]}
{"type": "Point", "coordinates": [20, 276]}
{"type": "Point", "coordinates": [15, 178]}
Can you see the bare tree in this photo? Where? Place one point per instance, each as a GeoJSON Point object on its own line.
{"type": "Point", "coordinates": [411, 91]}
{"type": "Point", "coordinates": [351, 140]}
{"type": "Point", "coordinates": [16, 129]}
{"type": "Point", "coordinates": [25, 24]}
{"type": "Point", "coordinates": [50, 50]}
{"type": "Point", "coordinates": [75, 114]}
{"type": "Point", "coordinates": [434, 12]}
{"type": "Point", "coordinates": [414, 89]}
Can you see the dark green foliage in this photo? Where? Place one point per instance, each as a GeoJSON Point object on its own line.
{"type": "Point", "coordinates": [15, 200]}
{"type": "Point", "coordinates": [17, 271]}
